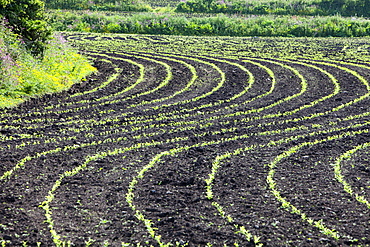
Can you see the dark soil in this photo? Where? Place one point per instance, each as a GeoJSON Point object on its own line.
{"type": "Point", "coordinates": [48, 136]}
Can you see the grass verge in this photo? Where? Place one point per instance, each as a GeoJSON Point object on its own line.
{"type": "Point", "coordinates": [23, 76]}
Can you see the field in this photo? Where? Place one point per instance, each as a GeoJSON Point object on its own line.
{"type": "Point", "coordinates": [194, 141]}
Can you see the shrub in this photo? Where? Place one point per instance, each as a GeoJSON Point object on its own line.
{"type": "Point", "coordinates": [278, 7]}
{"type": "Point", "coordinates": [27, 18]}
{"type": "Point", "coordinates": [10, 52]}
{"type": "Point", "coordinates": [23, 76]}
{"type": "Point", "coordinates": [150, 23]}
{"type": "Point", "coordinates": [102, 5]}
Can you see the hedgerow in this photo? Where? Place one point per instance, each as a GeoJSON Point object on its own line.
{"type": "Point", "coordinates": [221, 25]}
{"type": "Point", "coordinates": [105, 5]}
{"type": "Point", "coordinates": [291, 7]}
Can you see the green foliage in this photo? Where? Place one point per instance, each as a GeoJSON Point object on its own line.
{"type": "Point", "coordinates": [221, 25]}
{"type": "Point", "coordinates": [105, 5]}
{"type": "Point", "coordinates": [10, 52]}
{"type": "Point", "coordinates": [4, 2]}
{"type": "Point", "coordinates": [27, 18]}
{"type": "Point", "coordinates": [23, 76]}
{"type": "Point", "coordinates": [290, 7]}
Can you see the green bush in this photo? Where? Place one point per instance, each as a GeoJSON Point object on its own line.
{"type": "Point", "coordinates": [28, 19]}
{"type": "Point", "coordinates": [278, 7]}
{"type": "Point", "coordinates": [150, 23]}
{"type": "Point", "coordinates": [101, 5]}
{"type": "Point", "coordinates": [3, 3]}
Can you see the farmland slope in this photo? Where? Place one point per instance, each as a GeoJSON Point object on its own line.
{"type": "Point", "coordinates": [198, 141]}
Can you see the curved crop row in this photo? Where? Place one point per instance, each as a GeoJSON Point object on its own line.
{"type": "Point", "coordinates": [169, 148]}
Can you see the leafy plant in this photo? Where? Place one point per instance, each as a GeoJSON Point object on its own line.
{"type": "Point", "coordinates": [27, 18]}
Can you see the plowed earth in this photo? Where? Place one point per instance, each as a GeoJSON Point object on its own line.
{"type": "Point", "coordinates": [200, 150]}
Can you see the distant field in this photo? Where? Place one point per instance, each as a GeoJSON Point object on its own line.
{"type": "Point", "coordinates": [194, 141]}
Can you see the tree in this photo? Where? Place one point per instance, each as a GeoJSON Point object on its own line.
{"type": "Point", "coordinates": [27, 19]}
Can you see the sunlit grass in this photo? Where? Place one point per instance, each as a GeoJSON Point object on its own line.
{"type": "Point", "coordinates": [24, 76]}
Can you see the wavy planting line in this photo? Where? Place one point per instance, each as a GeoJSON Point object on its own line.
{"type": "Point", "coordinates": [356, 74]}
{"type": "Point", "coordinates": [286, 113]}
{"type": "Point", "coordinates": [216, 164]}
{"type": "Point", "coordinates": [320, 114]}
{"type": "Point", "coordinates": [312, 103]}
{"type": "Point", "coordinates": [104, 84]}
{"type": "Point", "coordinates": [191, 82]}
{"type": "Point", "coordinates": [161, 118]}
{"type": "Point", "coordinates": [22, 162]}
{"type": "Point", "coordinates": [231, 126]}
{"type": "Point", "coordinates": [257, 110]}
{"type": "Point", "coordinates": [41, 112]}
{"type": "Point", "coordinates": [138, 214]}
{"type": "Point", "coordinates": [284, 202]}
{"type": "Point", "coordinates": [315, 102]}
{"type": "Point", "coordinates": [141, 78]}
{"type": "Point", "coordinates": [225, 123]}
{"type": "Point", "coordinates": [249, 83]}
{"type": "Point", "coordinates": [270, 116]}
{"type": "Point", "coordinates": [218, 86]}
{"type": "Point", "coordinates": [130, 195]}
{"type": "Point", "coordinates": [340, 177]}
{"type": "Point", "coordinates": [181, 129]}
{"type": "Point", "coordinates": [270, 72]}
{"type": "Point", "coordinates": [112, 78]}
{"type": "Point", "coordinates": [162, 84]}
{"type": "Point", "coordinates": [183, 116]}
{"type": "Point", "coordinates": [51, 194]}
{"type": "Point", "coordinates": [271, 90]}
{"type": "Point", "coordinates": [74, 147]}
